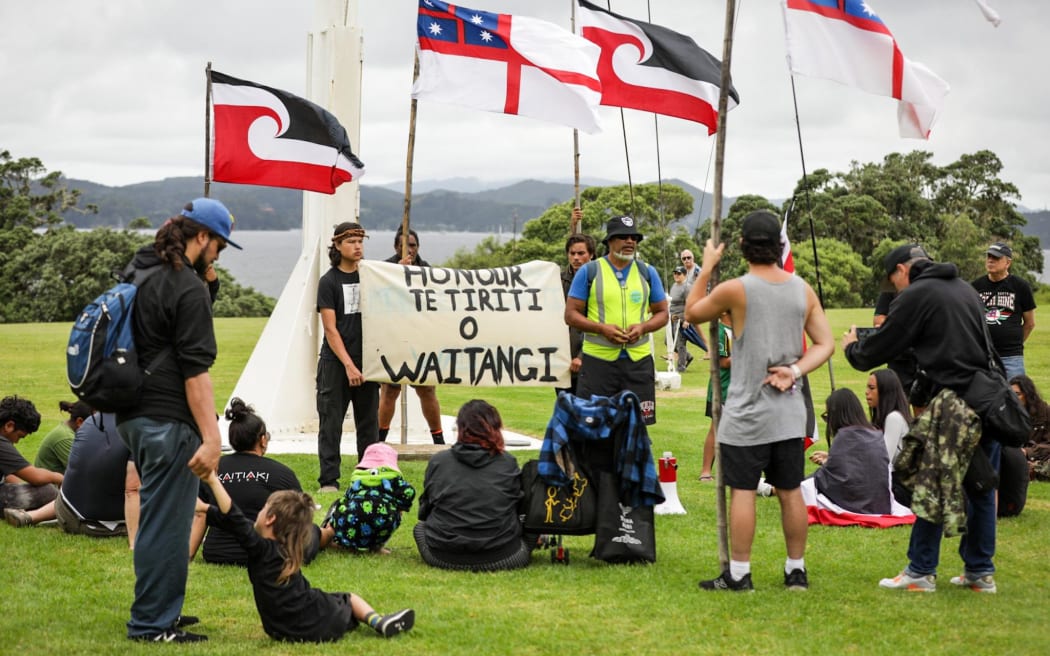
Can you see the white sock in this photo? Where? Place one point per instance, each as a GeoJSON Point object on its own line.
{"type": "Point", "coordinates": [791, 564]}
{"type": "Point", "coordinates": [739, 569]}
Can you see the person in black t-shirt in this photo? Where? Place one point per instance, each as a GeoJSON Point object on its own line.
{"type": "Point", "coordinates": [1009, 307]}
{"type": "Point", "coordinates": [289, 608]}
{"type": "Point", "coordinates": [339, 378]}
{"type": "Point", "coordinates": [250, 478]}
{"type": "Point", "coordinates": [22, 486]}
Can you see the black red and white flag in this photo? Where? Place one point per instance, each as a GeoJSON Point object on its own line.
{"type": "Point", "coordinates": [265, 136]}
{"type": "Point", "coordinates": [654, 69]}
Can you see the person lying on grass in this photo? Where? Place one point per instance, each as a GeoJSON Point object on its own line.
{"type": "Point", "coordinates": [289, 608]}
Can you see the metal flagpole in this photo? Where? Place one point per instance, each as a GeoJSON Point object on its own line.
{"type": "Point", "coordinates": [626, 152]}
{"type": "Point", "coordinates": [716, 236]}
{"type": "Point", "coordinates": [207, 132]}
{"type": "Point", "coordinates": [809, 215]}
{"type": "Point", "coordinates": [574, 223]}
{"type": "Point", "coordinates": [656, 133]}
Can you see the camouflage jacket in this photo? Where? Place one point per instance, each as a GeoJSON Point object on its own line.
{"type": "Point", "coordinates": [933, 459]}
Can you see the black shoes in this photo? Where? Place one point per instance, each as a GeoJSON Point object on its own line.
{"type": "Point", "coordinates": [170, 635]}
{"type": "Point", "coordinates": [390, 625]}
{"type": "Point", "coordinates": [186, 620]}
{"type": "Point", "coordinates": [726, 582]}
{"type": "Point", "coordinates": [796, 579]}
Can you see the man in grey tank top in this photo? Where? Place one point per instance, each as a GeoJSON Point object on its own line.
{"type": "Point", "coordinates": [764, 418]}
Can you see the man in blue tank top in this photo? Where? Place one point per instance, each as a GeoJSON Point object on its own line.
{"type": "Point", "coordinates": [763, 421]}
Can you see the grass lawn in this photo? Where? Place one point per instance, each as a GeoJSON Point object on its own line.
{"type": "Point", "coordinates": [70, 594]}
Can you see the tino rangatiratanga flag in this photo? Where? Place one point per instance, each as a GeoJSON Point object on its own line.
{"type": "Point", "coordinates": [654, 69]}
{"type": "Point", "coordinates": [265, 136]}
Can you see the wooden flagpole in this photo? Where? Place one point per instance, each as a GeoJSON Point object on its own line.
{"type": "Point", "coordinates": [207, 132]}
{"type": "Point", "coordinates": [716, 236]}
{"type": "Point", "coordinates": [405, 225]}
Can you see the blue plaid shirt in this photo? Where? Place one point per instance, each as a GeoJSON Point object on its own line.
{"type": "Point", "coordinates": [616, 417]}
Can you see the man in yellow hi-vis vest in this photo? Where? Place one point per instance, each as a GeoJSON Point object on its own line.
{"type": "Point", "coordinates": [617, 302]}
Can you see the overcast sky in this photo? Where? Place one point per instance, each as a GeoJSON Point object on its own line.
{"type": "Point", "coordinates": [112, 91]}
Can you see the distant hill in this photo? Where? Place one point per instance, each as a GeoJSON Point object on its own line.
{"type": "Point", "coordinates": [1038, 225]}
{"type": "Point", "coordinates": [465, 204]}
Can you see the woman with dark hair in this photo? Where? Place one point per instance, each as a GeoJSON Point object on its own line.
{"type": "Point", "coordinates": [855, 472]}
{"type": "Point", "coordinates": [889, 408]}
{"type": "Point", "coordinates": [250, 478]}
{"type": "Point", "coordinates": [468, 512]}
{"type": "Point", "coordinates": [1037, 449]}
{"type": "Point", "coordinates": [53, 453]}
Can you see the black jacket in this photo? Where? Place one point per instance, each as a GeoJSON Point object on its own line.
{"type": "Point", "coordinates": [470, 502]}
{"type": "Point", "coordinates": [172, 310]}
{"type": "Point", "coordinates": [941, 318]}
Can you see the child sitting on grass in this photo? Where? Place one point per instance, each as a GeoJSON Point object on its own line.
{"type": "Point", "coordinates": [289, 608]}
{"type": "Point", "coordinates": [366, 516]}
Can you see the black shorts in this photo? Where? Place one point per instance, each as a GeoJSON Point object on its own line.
{"type": "Point", "coordinates": [783, 464]}
{"type": "Point", "coordinates": [603, 378]}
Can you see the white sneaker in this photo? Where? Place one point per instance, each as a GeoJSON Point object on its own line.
{"type": "Point", "coordinates": [984, 583]}
{"type": "Point", "coordinates": [909, 583]}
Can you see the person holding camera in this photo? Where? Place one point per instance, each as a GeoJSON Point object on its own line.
{"type": "Point", "coordinates": [941, 318]}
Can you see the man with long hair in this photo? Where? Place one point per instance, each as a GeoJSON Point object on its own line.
{"type": "Point", "coordinates": [339, 378]}
{"type": "Point", "coordinates": [173, 433]}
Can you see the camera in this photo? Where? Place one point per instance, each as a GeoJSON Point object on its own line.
{"type": "Point", "coordinates": [864, 333]}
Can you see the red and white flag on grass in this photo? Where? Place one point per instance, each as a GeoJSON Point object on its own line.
{"type": "Point", "coordinates": [506, 64]}
{"type": "Point", "coordinates": [845, 41]}
{"type": "Point", "coordinates": [651, 68]}
{"type": "Point", "coordinates": [265, 136]}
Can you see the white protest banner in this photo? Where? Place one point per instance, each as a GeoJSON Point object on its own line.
{"type": "Point", "coordinates": [478, 327]}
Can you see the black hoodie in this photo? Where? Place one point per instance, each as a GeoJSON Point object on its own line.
{"type": "Point", "coordinates": [470, 503]}
{"type": "Point", "coordinates": [172, 309]}
{"type": "Point", "coordinates": [941, 318]}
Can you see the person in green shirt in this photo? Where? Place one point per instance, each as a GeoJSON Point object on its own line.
{"type": "Point", "coordinates": [53, 453]}
{"type": "Point", "coordinates": [725, 362]}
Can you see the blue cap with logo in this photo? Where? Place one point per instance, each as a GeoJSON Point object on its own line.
{"type": "Point", "coordinates": [213, 215]}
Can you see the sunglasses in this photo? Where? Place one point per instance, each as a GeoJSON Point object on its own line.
{"type": "Point", "coordinates": [686, 258]}
{"type": "Point", "coordinates": [824, 415]}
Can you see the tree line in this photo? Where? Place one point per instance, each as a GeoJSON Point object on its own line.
{"type": "Point", "coordinates": [857, 217]}
{"type": "Point", "coordinates": [49, 270]}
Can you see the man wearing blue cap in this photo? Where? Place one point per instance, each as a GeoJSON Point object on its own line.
{"type": "Point", "coordinates": [173, 434]}
{"type": "Point", "coordinates": [1009, 307]}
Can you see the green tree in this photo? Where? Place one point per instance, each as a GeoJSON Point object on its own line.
{"type": "Point", "coordinates": [543, 238]}
{"type": "Point", "coordinates": [732, 263]}
{"type": "Point", "coordinates": [31, 197]}
{"type": "Point", "coordinates": [843, 273]}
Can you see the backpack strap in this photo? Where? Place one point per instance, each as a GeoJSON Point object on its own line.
{"type": "Point", "coordinates": [592, 271]}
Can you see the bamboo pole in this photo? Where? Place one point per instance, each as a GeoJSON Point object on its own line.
{"type": "Point", "coordinates": [716, 236]}
{"type": "Point", "coordinates": [405, 225]}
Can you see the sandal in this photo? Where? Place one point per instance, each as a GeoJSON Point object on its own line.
{"type": "Point", "coordinates": [705, 478]}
